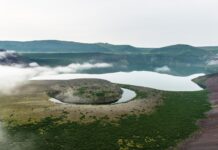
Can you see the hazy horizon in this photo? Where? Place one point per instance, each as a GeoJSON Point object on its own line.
{"type": "Point", "coordinates": [142, 23]}
{"type": "Point", "coordinates": [108, 43]}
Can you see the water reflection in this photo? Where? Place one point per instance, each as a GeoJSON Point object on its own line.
{"type": "Point", "coordinates": [137, 78]}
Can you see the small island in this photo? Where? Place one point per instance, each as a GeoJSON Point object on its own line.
{"type": "Point", "coordinates": [85, 91]}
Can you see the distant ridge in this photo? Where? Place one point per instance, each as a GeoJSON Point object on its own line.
{"type": "Point", "coordinates": [181, 49]}
{"type": "Point", "coordinates": [42, 46]}
{"type": "Point", "coordinates": [64, 46]}
{"type": "Point", "coordinates": [50, 46]}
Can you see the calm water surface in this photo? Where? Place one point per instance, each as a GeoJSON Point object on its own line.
{"type": "Point", "coordinates": [138, 78]}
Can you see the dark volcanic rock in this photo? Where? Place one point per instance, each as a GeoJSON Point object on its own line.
{"type": "Point", "coordinates": [85, 91]}
{"type": "Point", "coordinates": [2, 50]}
{"type": "Point", "coordinates": [9, 58]}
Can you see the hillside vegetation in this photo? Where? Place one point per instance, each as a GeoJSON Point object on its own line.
{"type": "Point", "coordinates": [64, 46]}
{"type": "Point", "coordinates": [165, 127]}
{"type": "Point", "coordinates": [49, 46]}
{"type": "Point", "coordinates": [181, 59]}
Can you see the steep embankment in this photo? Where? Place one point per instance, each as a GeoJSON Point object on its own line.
{"type": "Point", "coordinates": [207, 138]}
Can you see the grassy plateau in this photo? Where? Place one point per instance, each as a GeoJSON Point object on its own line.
{"type": "Point", "coordinates": [168, 124]}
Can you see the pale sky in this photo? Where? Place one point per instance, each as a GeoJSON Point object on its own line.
{"type": "Point", "coordinates": [145, 23]}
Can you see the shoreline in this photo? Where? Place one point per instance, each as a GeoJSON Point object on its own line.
{"type": "Point", "coordinates": [127, 96]}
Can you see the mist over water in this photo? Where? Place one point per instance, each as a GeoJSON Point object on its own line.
{"type": "Point", "coordinates": [163, 69]}
{"type": "Point", "coordinates": [15, 75]}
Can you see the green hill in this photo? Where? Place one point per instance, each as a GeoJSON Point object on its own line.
{"type": "Point", "coordinates": [180, 49]}
{"type": "Point", "coordinates": [55, 46]}
{"type": "Point", "coordinates": [64, 47]}
{"type": "Point", "coordinates": [184, 53]}
{"type": "Point", "coordinates": [123, 48]}
{"type": "Point", "coordinates": [210, 48]}
{"type": "Point", "coordinates": [50, 46]}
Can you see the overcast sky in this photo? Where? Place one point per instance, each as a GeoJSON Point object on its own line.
{"type": "Point", "coordinates": [147, 23]}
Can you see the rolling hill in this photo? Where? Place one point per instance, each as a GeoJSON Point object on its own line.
{"type": "Point", "coordinates": [64, 47]}
{"type": "Point", "coordinates": [56, 46]}
{"type": "Point", "coordinates": [182, 59]}
{"type": "Point", "coordinates": [180, 49]}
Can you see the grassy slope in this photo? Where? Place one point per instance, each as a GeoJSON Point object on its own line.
{"type": "Point", "coordinates": [34, 100]}
{"type": "Point", "coordinates": [170, 123]}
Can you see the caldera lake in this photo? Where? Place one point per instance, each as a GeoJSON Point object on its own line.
{"type": "Point", "coordinates": [149, 79]}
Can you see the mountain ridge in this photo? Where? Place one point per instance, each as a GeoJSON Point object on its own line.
{"type": "Point", "coordinates": [71, 46]}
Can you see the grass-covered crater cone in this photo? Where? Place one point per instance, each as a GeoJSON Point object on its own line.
{"type": "Point", "coordinates": [85, 91]}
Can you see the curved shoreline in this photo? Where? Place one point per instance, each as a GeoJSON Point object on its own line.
{"type": "Point", "coordinates": [127, 96]}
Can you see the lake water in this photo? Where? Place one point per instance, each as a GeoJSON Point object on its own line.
{"type": "Point", "coordinates": [139, 78]}
{"type": "Point", "coordinates": [127, 95]}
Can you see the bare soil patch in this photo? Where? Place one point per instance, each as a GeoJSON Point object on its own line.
{"type": "Point", "coordinates": [207, 138]}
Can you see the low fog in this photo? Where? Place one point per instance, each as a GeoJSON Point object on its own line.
{"type": "Point", "coordinates": [2, 134]}
{"type": "Point", "coordinates": [15, 75]}
{"type": "Point", "coordinates": [162, 69]}
{"type": "Point", "coordinates": [17, 142]}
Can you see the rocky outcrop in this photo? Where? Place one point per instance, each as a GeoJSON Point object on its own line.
{"type": "Point", "coordinates": [9, 58]}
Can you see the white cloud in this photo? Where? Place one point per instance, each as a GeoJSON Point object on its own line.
{"type": "Point", "coordinates": [212, 62]}
{"type": "Point", "coordinates": [13, 76]}
{"type": "Point", "coordinates": [77, 67]}
{"type": "Point", "coordinates": [33, 64]}
{"type": "Point", "coordinates": [163, 69]}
